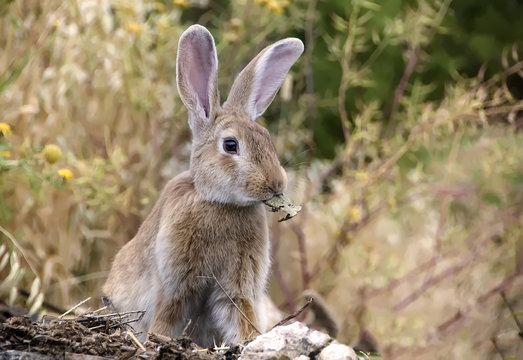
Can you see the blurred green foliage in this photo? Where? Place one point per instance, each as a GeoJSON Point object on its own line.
{"type": "Point", "coordinates": [400, 128]}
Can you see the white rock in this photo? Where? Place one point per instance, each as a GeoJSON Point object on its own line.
{"type": "Point", "coordinates": [302, 357]}
{"type": "Point", "coordinates": [337, 351]}
{"type": "Point", "coordinates": [286, 342]}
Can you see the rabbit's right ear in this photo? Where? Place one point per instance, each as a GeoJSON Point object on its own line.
{"type": "Point", "coordinates": [197, 76]}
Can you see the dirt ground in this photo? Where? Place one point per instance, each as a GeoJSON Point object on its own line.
{"type": "Point", "coordinates": [91, 336]}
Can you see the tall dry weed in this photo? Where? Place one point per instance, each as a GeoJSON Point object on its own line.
{"type": "Point", "coordinates": [409, 234]}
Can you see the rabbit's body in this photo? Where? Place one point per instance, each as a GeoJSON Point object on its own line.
{"type": "Point", "coordinates": [236, 252]}
{"type": "Point", "coordinates": [200, 260]}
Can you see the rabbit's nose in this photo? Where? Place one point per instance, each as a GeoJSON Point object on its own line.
{"type": "Point", "coordinates": [278, 187]}
{"type": "Point", "coordinates": [278, 182]}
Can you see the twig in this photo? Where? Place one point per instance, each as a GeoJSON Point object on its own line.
{"type": "Point", "coordinates": [408, 276]}
{"type": "Point", "coordinates": [309, 76]}
{"type": "Point", "coordinates": [400, 89]}
{"type": "Point", "coordinates": [460, 315]}
{"type": "Point", "coordinates": [444, 274]}
{"type": "Point", "coordinates": [512, 312]}
{"type": "Point", "coordinates": [232, 302]}
{"type": "Point", "coordinates": [345, 63]}
{"type": "Point", "coordinates": [184, 331]}
{"type": "Point", "coordinates": [453, 323]}
{"type": "Point", "coordinates": [497, 348]}
{"type": "Point", "coordinates": [302, 248]}
{"type": "Point", "coordinates": [75, 307]}
{"type": "Point", "coordinates": [135, 340]}
{"type": "Point", "coordinates": [113, 315]}
{"type": "Point", "coordinates": [295, 314]}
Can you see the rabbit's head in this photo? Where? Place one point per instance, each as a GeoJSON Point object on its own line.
{"type": "Point", "coordinates": [233, 160]}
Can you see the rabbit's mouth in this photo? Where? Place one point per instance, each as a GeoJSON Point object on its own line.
{"type": "Point", "coordinates": [272, 196]}
{"type": "Point", "coordinates": [282, 203]}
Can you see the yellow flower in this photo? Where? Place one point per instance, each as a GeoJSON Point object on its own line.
{"type": "Point", "coordinates": [362, 176]}
{"type": "Point", "coordinates": [158, 6]}
{"type": "Point", "coordinates": [181, 3]}
{"type": "Point", "coordinates": [354, 214]}
{"type": "Point", "coordinates": [51, 153]}
{"type": "Point", "coordinates": [134, 28]}
{"type": "Point", "coordinates": [66, 174]}
{"type": "Point", "coordinates": [5, 154]}
{"type": "Point", "coordinates": [235, 23]}
{"type": "Point", "coordinates": [5, 129]}
{"type": "Point", "coordinates": [230, 37]}
{"type": "Point", "coordinates": [275, 7]}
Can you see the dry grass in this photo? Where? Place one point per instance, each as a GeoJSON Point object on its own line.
{"type": "Point", "coordinates": [417, 232]}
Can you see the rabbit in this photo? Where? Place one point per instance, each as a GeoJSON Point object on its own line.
{"type": "Point", "coordinates": [199, 262]}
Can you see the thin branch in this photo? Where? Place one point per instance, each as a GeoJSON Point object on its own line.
{"type": "Point", "coordinates": [497, 348]}
{"type": "Point", "coordinates": [75, 307]}
{"type": "Point", "coordinates": [453, 323]}
{"type": "Point", "coordinates": [345, 73]}
{"type": "Point", "coordinates": [302, 249]}
{"type": "Point", "coordinates": [135, 340]}
{"type": "Point", "coordinates": [430, 282]}
{"type": "Point", "coordinates": [309, 78]}
{"type": "Point", "coordinates": [232, 302]}
{"type": "Point", "coordinates": [186, 327]}
{"type": "Point", "coordinates": [459, 316]}
{"type": "Point", "coordinates": [512, 312]}
{"type": "Point", "coordinates": [294, 315]}
{"type": "Point", "coordinates": [427, 265]}
{"type": "Point", "coordinates": [400, 89]}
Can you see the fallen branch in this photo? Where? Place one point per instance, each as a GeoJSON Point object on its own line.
{"type": "Point", "coordinates": [294, 315]}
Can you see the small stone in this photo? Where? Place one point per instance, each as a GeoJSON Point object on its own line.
{"type": "Point", "coordinates": [302, 357]}
{"type": "Point", "coordinates": [337, 351]}
{"type": "Point", "coordinates": [286, 342]}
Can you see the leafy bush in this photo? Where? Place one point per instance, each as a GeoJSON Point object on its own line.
{"type": "Point", "coordinates": [407, 163]}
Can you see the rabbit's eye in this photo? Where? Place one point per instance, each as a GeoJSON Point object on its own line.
{"type": "Point", "coordinates": [230, 146]}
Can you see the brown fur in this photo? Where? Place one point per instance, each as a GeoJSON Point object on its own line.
{"type": "Point", "coordinates": [206, 239]}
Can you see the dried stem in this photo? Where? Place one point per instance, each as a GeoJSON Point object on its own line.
{"type": "Point", "coordinates": [512, 312]}
{"type": "Point", "coordinates": [135, 340]}
{"type": "Point", "coordinates": [294, 315]}
{"type": "Point", "coordinates": [400, 89]}
{"type": "Point", "coordinates": [235, 305]}
{"type": "Point", "coordinates": [497, 348]}
{"type": "Point", "coordinates": [309, 78]}
{"type": "Point", "coordinates": [302, 248]}
{"type": "Point", "coordinates": [454, 322]}
{"type": "Point", "coordinates": [345, 73]}
{"type": "Point", "coordinates": [75, 307]}
{"type": "Point", "coordinates": [433, 280]}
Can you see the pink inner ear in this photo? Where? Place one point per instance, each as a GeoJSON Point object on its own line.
{"type": "Point", "coordinates": [272, 71]}
{"type": "Point", "coordinates": [199, 67]}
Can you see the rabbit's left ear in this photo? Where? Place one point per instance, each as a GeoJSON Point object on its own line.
{"type": "Point", "coordinates": [197, 76]}
{"type": "Point", "coordinates": [257, 84]}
